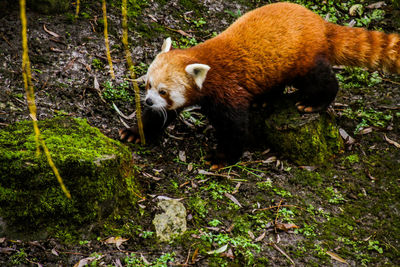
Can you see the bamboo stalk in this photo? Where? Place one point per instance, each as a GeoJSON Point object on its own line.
{"type": "Point", "coordinates": [30, 96]}
{"type": "Point", "coordinates": [131, 70]}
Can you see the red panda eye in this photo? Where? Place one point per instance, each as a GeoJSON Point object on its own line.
{"type": "Point", "coordinates": [162, 92]}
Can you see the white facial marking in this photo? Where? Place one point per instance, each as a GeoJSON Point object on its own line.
{"type": "Point", "coordinates": [178, 99]}
{"type": "Point", "coordinates": [157, 101]}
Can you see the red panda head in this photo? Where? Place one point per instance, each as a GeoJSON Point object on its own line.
{"type": "Point", "coordinates": [173, 80]}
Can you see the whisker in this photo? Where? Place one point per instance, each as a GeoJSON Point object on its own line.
{"type": "Point", "coordinates": [165, 115]}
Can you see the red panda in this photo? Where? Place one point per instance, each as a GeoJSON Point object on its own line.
{"type": "Point", "coordinates": [270, 47]}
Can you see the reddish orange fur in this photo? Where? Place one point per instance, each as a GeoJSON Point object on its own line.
{"type": "Point", "coordinates": [267, 48]}
{"type": "Point", "coordinates": [273, 44]}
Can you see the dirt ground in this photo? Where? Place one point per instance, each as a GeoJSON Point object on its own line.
{"type": "Point", "coordinates": [312, 215]}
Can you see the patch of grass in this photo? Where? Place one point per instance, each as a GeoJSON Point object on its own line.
{"type": "Point", "coordinates": [368, 117]}
{"type": "Point", "coordinates": [19, 258]}
{"type": "Point", "coordinates": [355, 77]}
{"type": "Point", "coordinates": [97, 64]}
{"type": "Point", "coordinates": [184, 42]}
{"type": "Point", "coordinates": [120, 91]}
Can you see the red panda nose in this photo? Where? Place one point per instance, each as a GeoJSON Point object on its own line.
{"type": "Point", "coordinates": [149, 102]}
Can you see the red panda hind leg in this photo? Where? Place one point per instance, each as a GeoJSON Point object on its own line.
{"type": "Point", "coordinates": [318, 88]}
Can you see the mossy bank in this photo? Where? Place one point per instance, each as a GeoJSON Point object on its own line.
{"type": "Point", "coordinates": [97, 171]}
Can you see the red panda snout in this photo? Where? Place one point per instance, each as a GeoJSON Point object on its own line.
{"type": "Point", "coordinates": [154, 100]}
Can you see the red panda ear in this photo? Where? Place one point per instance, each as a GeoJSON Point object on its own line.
{"type": "Point", "coordinates": [166, 45]}
{"type": "Point", "coordinates": [198, 73]}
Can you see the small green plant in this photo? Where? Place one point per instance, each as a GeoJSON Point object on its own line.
{"type": "Point", "coordinates": [265, 185]}
{"type": "Point", "coordinates": [184, 42]}
{"type": "Point", "coordinates": [367, 118]}
{"type": "Point", "coordinates": [352, 159]}
{"type": "Point", "coordinates": [198, 205]}
{"type": "Point", "coordinates": [83, 242]}
{"type": "Point", "coordinates": [133, 261]}
{"type": "Point", "coordinates": [355, 77]}
{"type": "Point", "coordinates": [141, 68]}
{"type": "Point", "coordinates": [214, 223]}
{"type": "Point", "coordinates": [194, 118]}
{"type": "Point", "coordinates": [19, 258]}
{"type": "Point", "coordinates": [97, 64]}
{"type": "Point", "coordinates": [287, 215]}
{"type": "Point", "coordinates": [283, 193]}
{"type": "Point", "coordinates": [163, 261]}
{"type": "Point", "coordinates": [335, 197]}
{"type": "Point", "coordinates": [147, 234]}
{"type": "Point", "coordinates": [118, 92]}
{"type": "Point", "coordinates": [218, 190]}
{"type": "Point", "coordinates": [374, 245]}
{"type": "Point", "coordinates": [308, 230]}
{"type": "Point", "coordinates": [97, 257]}
{"type": "Point", "coordinates": [199, 23]}
{"type": "Point", "coordinates": [236, 14]}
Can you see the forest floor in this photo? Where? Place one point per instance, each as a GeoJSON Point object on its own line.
{"type": "Point", "coordinates": [266, 211]}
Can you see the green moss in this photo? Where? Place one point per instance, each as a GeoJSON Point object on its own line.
{"type": "Point", "coordinates": [309, 139]}
{"type": "Point", "coordinates": [304, 177]}
{"type": "Point", "coordinates": [95, 169]}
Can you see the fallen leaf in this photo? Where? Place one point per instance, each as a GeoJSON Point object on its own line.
{"type": "Point", "coordinates": [96, 84]}
{"type": "Point", "coordinates": [153, 18]}
{"type": "Point", "coordinates": [118, 263]}
{"type": "Point", "coordinates": [194, 256]}
{"type": "Point", "coordinates": [392, 142]}
{"type": "Point", "coordinates": [182, 156]}
{"type": "Point", "coordinates": [54, 252]}
{"type": "Point", "coordinates": [6, 250]}
{"type": "Point", "coordinates": [234, 200]}
{"type": "Point", "coordinates": [269, 160]}
{"type": "Point", "coordinates": [218, 251]}
{"type": "Point", "coordinates": [377, 5]}
{"type": "Point", "coordinates": [237, 188]}
{"type": "Point", "coordinates": [190, 167]}
{"type": "Point", "coordinates": [56, 50]}
{"type": "Point", "coordinates": [336, 257]}
{"type": "Point", "coordinates": [366, 130]}
{"type": "Point", "coordinates": [346, 137]}
{"type": "Point", "coordinates": [2, 240]}
{"type": "Point", "coordinates": [286, 226]}
{"type": "Point", "coordinates": [116, 240]}
{"type": "Point", "coordinates": [230, 228]}
{"type": "Point", "coordinates": [216, 229]}
{"type": "Point", "coordinates": [261, 237]}
{"type": "Point", "coordinates": [308, 168]}
{"type": "Point", "coordinates": [50, 32]}
{"type": "Point", "coordinates": [250, 233]}
{"type": "Point", "coordinates": [84, 262]}
{"type": "Point", "coordinates": [371, 177]}
{"type": "Point", "coordinates": [228, 254]}
{"type": "Point", "coordinates": [144, 259]}
{"type": "Point", "coordinates": [183, 33]}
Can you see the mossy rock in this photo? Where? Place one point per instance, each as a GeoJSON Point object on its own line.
{"type": "Point", "coordinates": [305, 139]}
{"type": "Point", "coordinates": [97, 171]}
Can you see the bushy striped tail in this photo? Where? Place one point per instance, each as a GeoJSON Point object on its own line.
{"type": "Point", "coordinates": [359, 47]}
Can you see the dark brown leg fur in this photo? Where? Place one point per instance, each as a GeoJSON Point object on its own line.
{"type": "Point", "coordinates": [318, 88]}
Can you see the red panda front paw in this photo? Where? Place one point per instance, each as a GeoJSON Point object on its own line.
{"type": "Point", "coordinates": [303, 108]}
{"type": "Point", "coordinates": [217, 160]}
{"type": "Point", "coordinates": [130, 135]}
